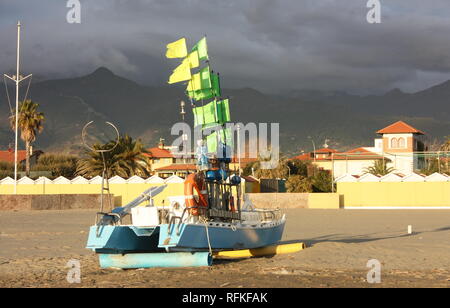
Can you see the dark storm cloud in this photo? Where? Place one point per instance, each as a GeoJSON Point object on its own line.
{"type": "Point", "coordinates": [266, 44]}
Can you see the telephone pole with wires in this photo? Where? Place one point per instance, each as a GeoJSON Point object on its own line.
{"type": "Point", "coordinates": [17, 79]}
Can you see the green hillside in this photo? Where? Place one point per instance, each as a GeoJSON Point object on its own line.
{"type": "Point", "coordinates": [149, 112]}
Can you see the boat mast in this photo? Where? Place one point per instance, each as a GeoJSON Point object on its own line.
{"type": "Point", "coordinates": [17, 79]}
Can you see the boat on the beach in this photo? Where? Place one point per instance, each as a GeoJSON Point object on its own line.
{"type": "Point", "coordinates": [175, 228]}
{"type": "Point", "coordinates": [211, 215]}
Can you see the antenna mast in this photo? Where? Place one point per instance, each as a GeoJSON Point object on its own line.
{"type": "Point", "coordinates": [17, 79]}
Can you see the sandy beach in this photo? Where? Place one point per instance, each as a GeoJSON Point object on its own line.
{"type": "Point", "coordinates": [35, 247]}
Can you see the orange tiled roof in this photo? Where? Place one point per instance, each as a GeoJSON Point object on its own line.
{"type": "Point", "coordinates": [399, 128]}
{"type": "Point", "coordinates": [326, 150]}
{"type": "Point", "coordinates": [357, 154]}
{"type": "Point", "coordinates": [8, 156]}
{"type": "Point", "coordinates": [354, 154]}
{"type": "Point", "coordinates": [175, 167]}
{"type": "Point", "coordinates": [244, 160]}
{"type": "Point", "coordinates": [159, 153]}
{"type": "Point", "coordinates": [305, 156]}
{"type": "Point", "coordinates": [309, 156]}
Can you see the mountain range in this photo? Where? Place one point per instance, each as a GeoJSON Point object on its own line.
{"type": "Point", "coordinates": [148, 112]}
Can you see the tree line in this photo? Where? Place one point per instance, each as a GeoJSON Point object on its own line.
{"type": "Point", "coordinates": [127, 159]}
{"type": "Point", "coordinates": [130, 158]}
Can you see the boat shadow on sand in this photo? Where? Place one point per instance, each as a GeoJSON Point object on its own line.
{"type": "Point", "coordinates": [362, 238]}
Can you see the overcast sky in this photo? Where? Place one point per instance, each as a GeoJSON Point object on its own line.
{"type": "Point", "coordinates": [270, 45]}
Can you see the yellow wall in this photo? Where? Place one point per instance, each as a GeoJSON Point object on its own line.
{"type": "Point", "coordinates": [394, 194]}
{"type": "Point", "coordinates": [362, 194]}
{"type": "Point", "coordinates": [326, 165]}
{"type": "Point", "coordinates": [123, 193]}
{"type": "Point", "coordinates": [323, 201]}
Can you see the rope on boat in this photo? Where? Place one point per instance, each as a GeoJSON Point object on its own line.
{"type": "Point", "coordinates": [202, 219]}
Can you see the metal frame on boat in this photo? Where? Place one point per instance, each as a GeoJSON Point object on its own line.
{"type": "Point", "coordinates": [211, 215]}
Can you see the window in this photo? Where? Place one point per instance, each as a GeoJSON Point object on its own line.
{"type": "Point", "coordinates": [394, 143]}
{"type": "Point", "coordinates": [398, 143]}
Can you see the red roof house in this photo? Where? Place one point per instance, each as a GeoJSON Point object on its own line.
{"type": "Point", "coordinates": [400, 127]}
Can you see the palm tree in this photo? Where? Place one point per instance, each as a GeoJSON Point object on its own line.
{"type": "Point", "coordinates": [126, 159]}
{"type": "Point", "coordinates": [379, 168]}
{"type": "Point", "coordinates": [446, 148]}
{"type": "Point", "coordinates": [30, 123]}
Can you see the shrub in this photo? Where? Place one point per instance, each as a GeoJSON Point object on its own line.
{"type": "Point", "coordinates": [57, 164]}
{"type": "Point", "coordinates": [299, 184]}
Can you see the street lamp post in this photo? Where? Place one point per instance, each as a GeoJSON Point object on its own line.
{"type": "Point", "coordinates": [314, 147]}
{"type": "Point", "coordinates": [182, 112]}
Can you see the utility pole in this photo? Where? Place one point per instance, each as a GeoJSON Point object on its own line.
{"type": "Point", "coordinates": [239, 149]}
{"type": "Point", "coordinates": [314, 147]}
{"type": "Point", "coordinates": [17, 79]}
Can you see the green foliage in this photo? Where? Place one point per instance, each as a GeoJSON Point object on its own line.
{"type": "Point", "coordinates": [57, 164]}
{"type": "Point", "coordinates": [379, 168]}
{"type": "Point", "coordinates": [281, 170]}
{"type": "Point", "coordinates": [247, 170]}
{"type": "Point", "coordinates": [432, 165]}
{"type": "Point", "coordinates": [298, 184]}
{"type": "Point", "coordinates": [126, 159]}
{"type": "Point", "coordinates": [301, 176]}
{"type": "Point", "coordinates": [6, 165]}
{"type": "Point", "coordinates": [321, 181]}
{"type": "Point", "coordinates": [6, 169]}
{"type": "Point", "coordinates": [446, 145]}
{"type": "Point", "coordinates": [30, 123]}
{"type": "Point", "coordinates": [297, 166]}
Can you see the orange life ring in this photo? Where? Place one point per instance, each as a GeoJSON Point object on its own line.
{"type": "Point", "coordinates": [232, 208]}
{"type": "Point", "coordinates": [193, 181]}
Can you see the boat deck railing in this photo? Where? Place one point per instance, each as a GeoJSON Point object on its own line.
{"type": "Point", "coordinates": [269, 214]}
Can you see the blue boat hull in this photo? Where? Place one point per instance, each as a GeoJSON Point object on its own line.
{"type": "Point", "coordinates": [148, 260]}
{"type": "Point", "coordinates": [123, 239]}
{"type": "Point", "coordinates": [183, 237]}
{"type": "Point", "coordinates": [195, 236]}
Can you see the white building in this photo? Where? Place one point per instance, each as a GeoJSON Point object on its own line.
{"type": "Point", "coordinates": [396, 146]}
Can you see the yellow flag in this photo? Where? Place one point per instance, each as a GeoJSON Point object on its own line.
{"type": "Point", "coordinates": [193, 59]}
{"type": "Point", "coordinates": [177, 49]}
{"type": "Point", "coordinates": [195, 83]}
{"type": "Point", "coordinates": [181, 73]}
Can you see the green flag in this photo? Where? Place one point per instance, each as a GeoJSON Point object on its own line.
{"type": "Point", "coordinates": [204, 85]}
{"type": "Point", "coordinates": [200, 81]}
{"type": "Point", "coordinates": [216, 112]}
{"type": "Point", "coordinates": [223, 111]}
{"type": "Point", "coordinates": [205, 115]}
{"type": "Point", "coordinates": [202, 49]}
{"type": "Point", "coordinates": [201, 94]}
{"type": "Point", "coordinates": [216, 84]}
{"type": "Point", "coordinates": [224, 136]}
{"type": "Point", "coordinates": [205, 78]}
